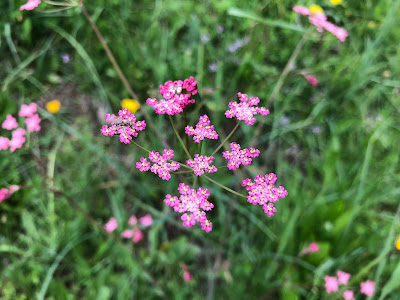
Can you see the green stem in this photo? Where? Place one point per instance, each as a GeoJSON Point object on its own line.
{"type": "Point", "coordinates": [186, 123]}
{"type": "Point", "coordinates": [201, 144]}
{"type": "Point", "coordinates": [226, 139]}
{"type": "Point", "coordinates": [224, 187]}
{"type": "Point", "coordinates": [179, 138]}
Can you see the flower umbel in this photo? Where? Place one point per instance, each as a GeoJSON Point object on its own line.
{"type": "Point", "coordinates": [239, 157]}
{"type": "Point", "coordinates": [160, 164]}
{"type": "Point", "coordinates": [202, 164]}
{"type": "Point", "coordinates": [31, 4]}
{"type": "Point", "coordinates": [367, 288]}
{"type": "Point", "coordinates": [246, 109]}
{"type": "Point", "coordinates": [203, 130]}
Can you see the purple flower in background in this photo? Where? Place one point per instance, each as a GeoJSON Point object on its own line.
{"type": "Point", "coordinates": [220, 29]}
{"type": "Point", "coordinates": [66, 58]}
{"type": "Point", "coordinates": [205, 38]}
{"type": "Point", "coordinates": [213, 67]}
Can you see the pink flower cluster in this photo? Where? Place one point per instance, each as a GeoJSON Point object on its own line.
{"type": "Point", "coordinates": [31, 4]}
{"type": "Point", "coordinates": [263, 192]}
{"type": "Point", "coordinates": [332, 284]}
{"type": "Point", "coordinates": [239, 157]}
{"type": "Point", "coordinates": [311, 79]}
{"type": "Point", "coordinates": [125, 125]}
{"type": "Point", "coordinates": [246, 109]}
{"type": "Point", "coordinates": [187, 276]}
{"type": "Point", "coordinates": [6, 193]}
{"type": "Point", "coordinates": [32, 121]}
{"type": "Point", "coordinates": [175, 101]}
{"type": "Point", "coordinates": [134, 233]}
{"type": "Point", "coordinates": [161, 165]}
{"type": "Point", "coordinates": [202, 164]}
{"type": "Point", "coordinates": [312, 248]}
{"type": "Point", "coordinates": [204, 129]}
{"type": "Point", "coordinates": [320, 21]}
{"type": "Point", "coordinates": [193, 204]}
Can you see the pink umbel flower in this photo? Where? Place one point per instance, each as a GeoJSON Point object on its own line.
{"type": "Point", "coordinates": [127, 234]}
{"type": "Point", "coordinates": [146, 221]}
{"type": "Point", "coordinates": [239, 156]}
{"type": "Point", "coordinates": [246, 109]}
{"type": "Point", "coordinates": [204, 129]}
{"type": "Point", "coordinates": [202, 164]}
{"type": "Point", "coordinates": [263, 192]}
{"type": "Point", "coordinates": [343, 277]}
{"type": "Point", "coordinates": [160, 164]}
{"type": "Point", "coordinates": [193, 204]}
{"type": "Point", "coordinates": [137, 235]}
{"type": "Point", "coordinates": [125, 124]}
{"type": "Point", "coordinates": [10, 123]}
{"type": "Point", "coordinates": [367, 288]}
{"type": "Point", "coordinates": [348, 295]}
{"type": "Point", "coordinates": [187, 276]}
{"type": "Point", "coordinates": [6, 193]}
{"type": "Point", "coordinates": [331, 284]}
{"type": "Point", "coordinates": [320, 21]}
{"type": "Point", "coordinates": [18, 139]}
{"type": "Point", "coordinates": [4, 143]}
{"type": "Point", "coordinates": [31, 4]}
{"type": "Point", "coordinates": [312, 248]}
{"type": "Point", "coordinates": [175, 99]}
{"type": "Point", "coordinates": [32, 123]}
{"type": "Point", "coordinates": [27, 110]}
{"type": "Point", "coordinates": [111, 225]}
{"type": "Point", "coordinates": [132, 220]}
{"type": "Point", "coordinates": [311, 79]}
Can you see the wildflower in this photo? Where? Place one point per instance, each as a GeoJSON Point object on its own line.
{"type": "Point", "coordinates": [336, 2]}
{"type": "Point", "coordinates": [213, 67]}
{"type": "Point", "coordinates": [31, 4]}
{"type": "Point", "coordinates": [311, 79]}
{"type": "Point", "coordinates": [27, 110]}
{"type": "Point", "coordinates": [202, 164]}
{"type": "Point", "coordinates": [348, 295]}
{"type": "Point", "coordinates": [343, 277]}
{"type": "Point", "coordinates": [111, 225]}
{"type": "Point", "coordinates": [146, 221]}
{"type": "Point", "coordinates": [397, 242]}
{"type": "Point", "coordinates": [66, 58]}
{"type": "Point", "coordinates": [238, 44]}
{"type": "Point", "coordinates": [331, 284]}
{"type": "Point", "coordinates": [263, 192]}
{"type": "Point", "coordinates": [6, 193]}
{"type": "Point", "coordinates": [127, 234]}
{"type": "Point", "coordinates": [53, 106]}
{"type": "Point", "coordinates": [187, 276]}
{"type": "Point", "coordinates": [161, 165]}
{"type": "Point", "coordinates": [130, 104]}
{"type": "Point", "coordinates": [203, 130]}
{"type": "Point", "coordinates": [205, 38]}
{"type": "Point", "coordinates": [193, 204]}
{"type": "Point", "coordinates": [367, 288]}
{"type": "Point", "coordinates": [317, 17]}
{"type": "Point", "coordinates": [175, 100]}
{"type": "Point", "coordinates": [32, 123]}
{"type": "Point", "coordinates": [18, 139]}
{"type": "Point", "coordinates": [132, 220]}
{"type": "Point", "coordinates": [4, 143]}
{"type": "Point", "coordinates": [316, 130]}
{"type": "Point", "coordinates": [125, 125]}
{"type": "Point", "coordinates": [220, 29]}
{"type": "Point", "coordinates": [10, 123]}
{"type": "Point", "coordinates": [137, 235]}
{"type": "Point", "coordinates": [246, 109]}
{"type": "Point", "coordinates": [312, 248]}
{"type": "Point", "coordinates": [238, 157]}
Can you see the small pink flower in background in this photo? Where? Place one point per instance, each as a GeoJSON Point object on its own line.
{"type": "Point", "coordinates": [301, 10]}
{"type": "Point", "coordinates": [32, 123]}
{"type": "Point", "coordinates": [146, 221]}
{"type": "Point", "coordinates": [111, 225]}
{"type": "Point", "coordinates": [348, 295]}
{"type": "Point", "coordinates": [367, 288]}
{"type": "Point", "coordinates": [187, 276]}
{"type": "Point", "coordinates": [239, 157]}
{"type": "Point", "coordinates": [132, 220]}
{"type": "Point", "coordinates": [343, 277]}
{"type": "Point", "coordinates": [127, 234]}
{"type": "Point", "coordinates": [31, 4]}
{"type": "Point", "coordinates": [18, 139]}
{"type": "Point", "coordinates": [312, 248]}
{"type": "Point", "coordinates": [137, 235]}
{"type": "Point", "coordinates": [27, 110]}
{"type": "Point", "coordinates": [161, 165]}
{"type": "Point", "coordinates": [6, 193]}
{"type": "Point", "coordinates": [331, 284]}
{"type": "Point", "coordinates": [10, 123]}
{"type": "Point", "coordinates": [204, 129]}
{"type": "Point", "coordinates": [311, 79]}
{"type": "Point", "coordinates": [202, 164]}
{"type": "Point", "coordinates": [246, 109]}
{"type": "Point", "coordinates": [4, 143]}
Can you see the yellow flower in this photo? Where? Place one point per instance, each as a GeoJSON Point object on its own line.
{"type": "Point", "coordinates": [398, 243]}
{"type": "Point", "coordinates": [336, 2]}
{"type": "Point", "coordinates": [316, 9]}
{"type": "Point", "coordinates": [131, 105]}
{"type": "Point", "coordinates": [53, 106]}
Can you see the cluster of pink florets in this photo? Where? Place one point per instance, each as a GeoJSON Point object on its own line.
{"type": "Point", "coordinates": [320, 21]}
{"type": "Point", "coordinates": [160, 166]}
{"type": "Point", "coordinates": [246, 109]}
{"type": "Point", "coordinates": [31, 4]}
{"type": "Point", "coordinates": [133, 232]}
{"type": "Point", "coordinates": [239, 156]}
{"type": "Point", "coordinates": [203, 129]}
{"type": "Point", "coordinates": [175, 100]}
{"type": "Point", "coordinates": [193, 204]}
{"type": "Point", "coordinates": [125, 125]}
{"type": "Point", "coordinates": [201, 164]}
{"type": "Point", "coordinates": [6, 193]}
{"type": "Point", "coordinates": [32, 122]}
{"type": "Point", "coordinates": [263, 192]}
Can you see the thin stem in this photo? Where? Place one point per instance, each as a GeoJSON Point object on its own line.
{"type": "Point", "coordinates": [179, 138]}
{"type": "Point", "coordinates": [201, 144]}
{"type": "Point", "coordinates": [186, 123]}
{"type": "Point", "coordinates": [140, 147]}
{"type": "Point", "coordinates": [182, 172]}
{"type": "Point", "coordinates": [223, 186]}
{"type": "Point", "coordinates": [195, 181]}
{"type": "Point", "coordinates": [226, 139]}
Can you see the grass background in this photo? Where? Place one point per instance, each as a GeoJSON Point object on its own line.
{"type": "Point", "coordinates": [334, 148]}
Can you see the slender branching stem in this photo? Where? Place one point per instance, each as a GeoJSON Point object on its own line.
{"type": "Point", "coordinates": [223, 186]}
{"type": "Point", "coordinates": [226, 139]}
{"type": "Point", "coordinates": [179, 138]}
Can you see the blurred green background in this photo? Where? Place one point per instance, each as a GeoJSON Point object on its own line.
{"type": "Point", "coordinates": [335, 148]}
